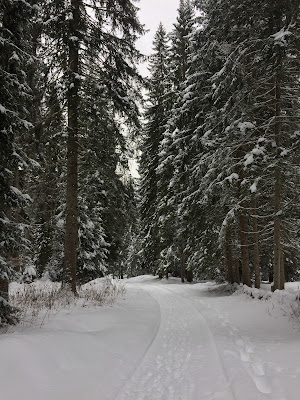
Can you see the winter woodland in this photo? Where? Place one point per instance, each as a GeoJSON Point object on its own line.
{"type": "Point", "coordinates": [215, 131]}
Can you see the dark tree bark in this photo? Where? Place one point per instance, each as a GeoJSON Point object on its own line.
{"type": "Point", "coordinates": [278, 257]}
{"type": "Point", "coordinates": [237, 278]}
{"type": "Point", "coordinates": [4, 289]}
{"type": "Point", "coordinates": [243, 227]}
{"type": "Point", "coordinates": [71, 236]}
{"type": "Point", "coordinates": [244, 248]}
{"type": "Point", "coordinates": [255, 241]}
{"type": "Point", "coordinates": [182, 265]}
{"type": "Point", "coordinates": [189, 275]}
{"type": "Point", "coordinates": [229, 262]}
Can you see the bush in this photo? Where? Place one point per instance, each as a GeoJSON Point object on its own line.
{"type": "Point", "coordinates": [39, 300]}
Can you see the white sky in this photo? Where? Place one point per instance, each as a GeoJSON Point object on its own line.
{"type": "Point", "coordinates": [151, 13]}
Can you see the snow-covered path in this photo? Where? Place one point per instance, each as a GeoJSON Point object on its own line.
{"type": "Point", "coordinates": [163, 341]}
{"type": "Point", "coordinates": [258, 347]}
{"type": "Point", "coordinates": [183, 361]}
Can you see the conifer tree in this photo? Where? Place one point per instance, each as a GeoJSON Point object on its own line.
{"type": "Point", "coordinates": [104, 190]}
{"type": "Point", "coordinates": [173, 155]}
{"type": "Point", "coordinates": [98, 46]}
{"type": "Point", "coordinates": [47, 188]}
{"type": "Point", "coordinates": [156, 119]}
{"type": "Point", "coordinates": [15, 59]}
{"type": "Point", "coordinates": [188, 117]}
{"type": "Point", "coordinates": [238, 103]}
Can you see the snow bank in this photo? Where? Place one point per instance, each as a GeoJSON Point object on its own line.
{"type": "Point", "coordinates": [285, 301]}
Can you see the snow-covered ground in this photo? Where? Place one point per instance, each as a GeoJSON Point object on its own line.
{"type": "Point", "coordinates": [162, 341]}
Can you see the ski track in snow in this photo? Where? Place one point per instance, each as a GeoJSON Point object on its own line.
{"type": "Point", "coordinates": [183, 362]}
{"type": "Point", "coordinates": [251, 365]}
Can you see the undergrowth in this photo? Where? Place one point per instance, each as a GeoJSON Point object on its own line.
{"type": "Point", "coordinates": [283, 301]}
{"type": "Point", "coordinates": [39, 301]}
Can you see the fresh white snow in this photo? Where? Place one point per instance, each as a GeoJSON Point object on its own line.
{"type": "Point", "coordinates": [163, 341]}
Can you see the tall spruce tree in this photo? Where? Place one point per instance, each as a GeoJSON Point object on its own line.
{"type": "Point", "coordinates": [47, 188]}
{"type": "Point", "coordinates": [234, 124]}
{"type": "Point", "coordinates": [96, 45]}
{"type": "Point", "coordinates": [15, 60]}
{"type": "Point", "coordinates": [191, 108]}
{"type": "Point", "coordinates": [173, 155]}
{"type": "Point", "coordinates": [156, 119]}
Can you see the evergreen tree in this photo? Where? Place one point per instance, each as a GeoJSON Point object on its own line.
{"type": "Point", "coordinates": [236, 137]}
{"type": "Point", "coordinates": [104, 190]}
{"type": "Point", "coordinates": [16, 57]}
{"type": "Point", "coordinates": [98, 47]}
{"type": "Point", "coordinates": [156, 119]}
{"type": "Point", "coordinates": [47, 188]}
{"type": "Point", "coordinates": [187, 119]}
{"type": "Point", "coordinates": [173, 156]}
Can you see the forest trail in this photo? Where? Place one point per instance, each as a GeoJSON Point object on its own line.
{"type": "Point", "coordinates": [162, 341]}
{"type": "Point", "coordinates": [201, 352]}
{"type": "Point", "coordinates": [182, 362]}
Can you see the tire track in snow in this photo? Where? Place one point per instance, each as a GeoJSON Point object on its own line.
{"type": "Point", "coordinates": [182, 362]}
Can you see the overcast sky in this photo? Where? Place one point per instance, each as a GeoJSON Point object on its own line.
{"type": "Point", "coordinates": [151, 13]}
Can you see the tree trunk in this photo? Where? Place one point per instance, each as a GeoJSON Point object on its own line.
{"type": "Point", "coordinates": [228, 251]}
{"type": "Point", "coordinates": [182, 266]}
{"type": "Point", "coordinates": [255, 241]}
{"type": "Point", "coordinates": [277, 233]}
{"type": "Point", "coordinates": [282, 271]}
{"type": "Point", "coordinates": [4, 289]}
{"type": "Point", "coordinates": [189, 275]}
{"type": "Point", "coordinates": [244, 248]}
{"type": "Point", "coordinates": [278, 254]}
{"type": "Point", "coordinates": [71, 235]}
{"type": "Point", "coordinates": [243, 226]}
{"type": "Point", "coordinates": [237, 278]}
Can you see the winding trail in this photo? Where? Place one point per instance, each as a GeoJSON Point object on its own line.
{"type": "Point", "coordinates": [162, 340]}
{"type": "Point", "coordinates": [183, 362]}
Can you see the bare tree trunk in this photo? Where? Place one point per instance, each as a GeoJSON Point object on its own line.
{"type": "Point", "coordinates": [4, 289]}
{"type": "Point", "coordinates": [277, 233]}
{"type": "Point", "coordinates": [237, 278]}
{"type": "Point", "coordinates": [167, 273]}
{"type": "Point", "coordinates": [244, 248]}
{"type": "Point", "coordinates": [255, 241]}
{"type": "Point", "coordinates": [228, 251]}
{"type": "Point", "coordinates": [278, 251]}
{"type": "Point", "coordinates": [282, 272]}
{"type": "Point", "coordinates": [278, 254]}
{"type": "Point", "coordinates": [182, 266]}
{"type": "Point", "coordinates": [243, 226]}
{"type": "Point", "coordinates": [189, 275]}
{"type": "Point", "coordinates": [71, 235]}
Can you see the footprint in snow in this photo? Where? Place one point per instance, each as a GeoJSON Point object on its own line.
{"type": "Point", "coordinates": [258, 368]}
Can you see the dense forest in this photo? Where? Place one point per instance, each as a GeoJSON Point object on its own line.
{"type": "Point", "coordinates": [218, 142]}
{"type": "Point", "coordinates": [220, 155]}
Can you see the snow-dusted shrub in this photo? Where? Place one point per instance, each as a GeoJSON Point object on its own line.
{"type": "Point", "coordinates": [287, 302]}
{"type": "Point", "coordinates": [101, 291]}
{"type": "Point", "coordinates": [29, 274]}
{"type": "Point", "coordinates": [224, 289]}
{"type": "Point", "coordinates": [41, 300]}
